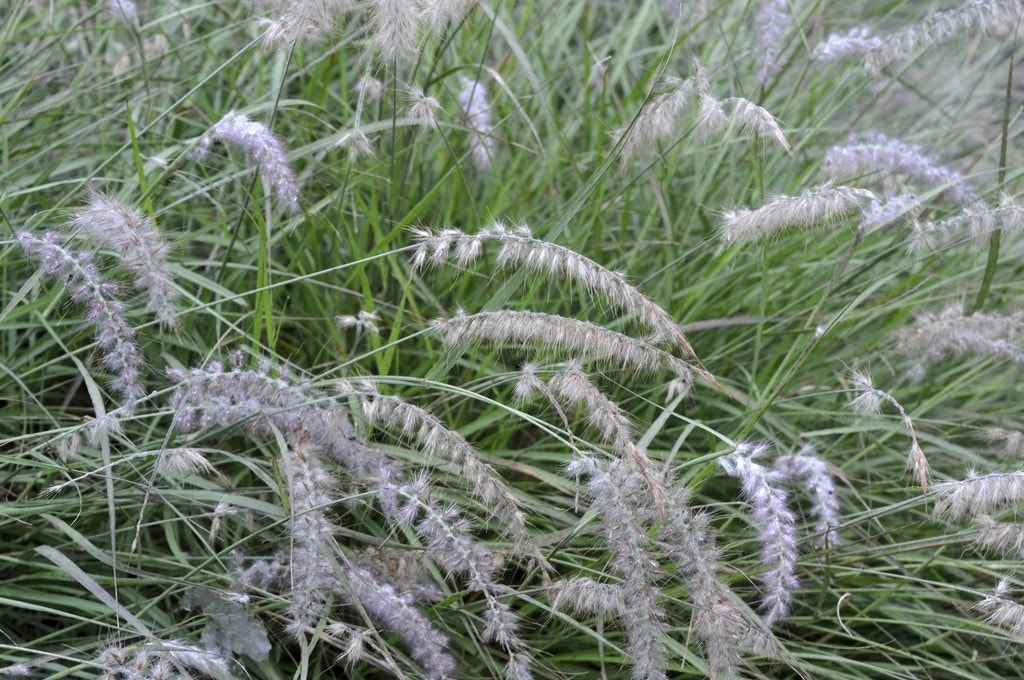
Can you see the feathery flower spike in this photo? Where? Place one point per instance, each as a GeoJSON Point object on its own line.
{"type": "Point", "coordinates": [986, 17]}
{"type": "Point", "coordinates": [818, 205]}
{"type": "Point", "coordinates": [776, 523]}
{"type": "Point", "coordinates": [1002, 611]}
{"type": "Point", "coordinates": [138, 244]}
{"type": "Point", "coordinates": [396, 29]}
{"type": "Point", "coordinates": [810, 470]}
{"type": "Point", "coordinates": [873, 152]}
{"type": "Point", "coordinates": [519, 247]}
{"type": "Point", "coordinates": [115, 337]}
{"type": "Point", "coordinates": [978, 494]}
{"type": "Point", "coordinates": [933, 337]}
{"type": "Point", "coordinates": [261, 149]}
{"type": "Point", "coordinates": [581, 337]}
{"type": "Point", "coordinates": [854, 45]}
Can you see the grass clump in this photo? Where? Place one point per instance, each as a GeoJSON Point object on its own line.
{"type": "Point", "coordinates": [289, 386]}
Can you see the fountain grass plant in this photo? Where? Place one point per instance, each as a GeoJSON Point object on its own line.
{"type": "Point", "coordinates": [488, 339]}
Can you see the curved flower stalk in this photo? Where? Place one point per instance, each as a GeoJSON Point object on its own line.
{"type": "Point", "coordinates": [897, 163]}
{"type": "Point", "coordinates": [104, 310]}
{"type": "Point", "coordinates": [262, 150]}
{"type": "Point", "coordinates": [260, 401]}
{"type": "Point", "coordinates": [977, 221]}
{"type": "Point", "coordinates": [869, 401]}
{"type": "Point", "coordinates": [579, 337]}
{"type": "Point", "coordinates": [427, 645]}
{"type": "Point", "coordinates": [139, 246]}
{"type": "Point", "coordinates": [430, 434]}
{"type": "Point", "coordinates": [978, 494]}
{"type": "Point", "coordinates": [718, 619]}
{"type": "Point", "coordinates": [520, 248]}
{"type": "Point", "coordinates": [620, 495]}
{"type": "Point", "coordinates": [985, 17]}
{"type": "Point", "coordinates": [448, 540]}
{"type": "Point", "coordinates": [161, 660]}
{"type": "Point", "coordinates": [777, 525]}
{"type": "Point", "coordinates": [1005, 538]}
{"type": "Point", "coordinates": [810, 471]}
{"type": "Point", "coordinates": [717, 114]}
{"type": "Point", "coordinates": [662, 117]}
{"type": "Point", "coordinates": [296, 20]}
{"type": "Point", "coordinates": [933, 337]}
{"type": "Point", "coordinates": [822, 204]}
{"type": "Point", "coordinates": [312, 424]}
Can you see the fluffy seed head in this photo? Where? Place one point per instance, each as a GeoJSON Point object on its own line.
{"type": "Point", "coordinates": [776, 523]}
{"type": "Point", "coordinates": [978, 494]}
{"type": "Point", "coordinates": [823, 204]}
{"type": "Point", "coordinates": [138, 244]}
{"type": "Point", "coordinates": [262, 150]}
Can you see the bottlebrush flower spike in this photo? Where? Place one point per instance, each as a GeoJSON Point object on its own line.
{"type": "Point", "coordinates": [854, 45]}
{"type": "Point", "coordinates": [115, 337]}
{"type": "Point", "coordinates": [520, 248]}
{"type": "Point", "coordinates": [474, 103]}
{"type": "Point", "coordinates": [896, 162]}
{"type": "Point", "coordinates": [138, 244]}
{"type": "Point", "coordinates": [773, 18]}
{"type": "Point", "coordinates": [776, 523]}
{"type": "Point", "coordinates": [262, 150]}
{"type": "Point", "coordinates": [809, 470]}
{"type": "Point", "coordinates": [985, 17]}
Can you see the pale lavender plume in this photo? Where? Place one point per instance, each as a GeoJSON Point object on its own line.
{"type": "Point", "coordinates": [138, 244]}
{"type": "Point", "coordinates": [772, 21]}
{"type": "Point", "coordinates": [854, 45]}
{"type": "Point", "coordinates": [474, 103]}
{"type": "Point", "coordinates": [104, 310]}
{"type": "Point", "coordinates": [776, 525]}
{"type": "Point", "coordinates": [872, 152]}
{"type": "Point", "coordinates": [809, 471]}
{"type": "Point", "coordinates": [262, 149]}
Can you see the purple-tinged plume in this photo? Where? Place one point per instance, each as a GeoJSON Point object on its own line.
{"type": "Point", "coordinates": [261, 149]}
{"type": "Point", "coordinates": [775, 521]}
{"type": "Point", "coordinates": [810, 471]}
{"type": "Point", "coordinates": [897, 163]}
{"type": "Point", "coordinates": [853, 45]}
{"type": "Point", "coordinates": [104, 311]}
{"type": "Point", "coordinates": [139, 246]}
{"type": "Point", "coordinates": [772, 20]}
{"type": "Point", "coordinates": [474, 103]}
